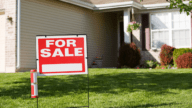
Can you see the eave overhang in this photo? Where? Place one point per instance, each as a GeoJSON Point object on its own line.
{"type": "Point", "coordinates": [118, 5]}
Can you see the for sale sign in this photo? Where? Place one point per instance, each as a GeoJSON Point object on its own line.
{"type": "Point", "coordinates": [61, 55]}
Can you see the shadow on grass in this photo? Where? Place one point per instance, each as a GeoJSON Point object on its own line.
{"type": "Point", "coordinates": [157, 83]}
{"type": "Point", "coordinates": [146, 105]}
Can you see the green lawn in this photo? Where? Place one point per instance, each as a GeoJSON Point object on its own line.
{"type": "Point", "coordinates": [111, 88]}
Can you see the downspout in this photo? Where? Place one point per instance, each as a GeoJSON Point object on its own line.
{"type": "Point", "coordinates": [18, 33]}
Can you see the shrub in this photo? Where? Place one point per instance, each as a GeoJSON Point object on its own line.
{"type": "Point", "coordinates": [178, 52]}
{"type": "Point", "coordinates": [150, 64]}
{"type": "Point", "coordinates": [166, 55]}
{"type": "Point", "coordinates": [184, 61]}
{"type": "Point", "coordinates": [129, 55]}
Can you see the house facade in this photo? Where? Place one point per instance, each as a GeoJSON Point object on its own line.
{"type": "Point", "coordinates": [105, 23]}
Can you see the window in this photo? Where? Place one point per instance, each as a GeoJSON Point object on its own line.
{"type": "Point", "coordinates": [171, 28]}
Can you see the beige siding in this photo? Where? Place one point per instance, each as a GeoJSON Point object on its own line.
{"type": "Point", "coordinates": [47, 17]}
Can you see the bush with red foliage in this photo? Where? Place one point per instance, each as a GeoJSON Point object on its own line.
{"type": "Point", "coordinates": [166, 55]}
{"type": "Point", "coordinates": [184, 61]}
{"type": "Point", "coordinates": [129, 55]}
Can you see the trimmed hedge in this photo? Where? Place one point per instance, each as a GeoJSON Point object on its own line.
{"type": "Point", "coordinates": [178, 52]}
{"type": "Point", "coordinates": [129, 55]}
{"type": "Point", "coordinates": [166, 55]}
{"type": "Point", "coordinates": [185, 60]}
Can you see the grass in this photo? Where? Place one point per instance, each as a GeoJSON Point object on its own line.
{"type": "Point", "coordinates": [111, 88]}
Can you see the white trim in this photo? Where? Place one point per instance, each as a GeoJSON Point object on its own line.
{"type": "Point", "coordinates": [155, 11]}
{"type": "Point", "coordinates": [80, 3]}
{"type": "Point", "coordinates": [163, 11]}
{"type": "Point", "coordinates": [159, 5]}
{"type": "Point", "coordinates": [18, 32]}
{"type": "Point", "coordinates": [118, 5]}
{"type": "Point", "coordinates": [181, 29]}
{"type": "Point", "coordinates": [37, 63]}
{"type": "Point", "coordinates": [126, 20]}
{"type": "Point", "coordinates": [190, 30]}
{"type": "Point", "coordinates": [170, 29]}
{"type": "Point", "coordinates": [160, 29]}
{"type": "Point", "coordinates": [104, 6]}
{"type": "Point", "coordinates": [150, 32]}
{"type": "Point", "coordinates": [155, 6]}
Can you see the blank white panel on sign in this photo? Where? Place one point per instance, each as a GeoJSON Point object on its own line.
{"type": "Point", "coordinates": [61, 67]}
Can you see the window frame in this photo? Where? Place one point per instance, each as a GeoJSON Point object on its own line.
{"type": "Point", "coordinates": [170, 29]}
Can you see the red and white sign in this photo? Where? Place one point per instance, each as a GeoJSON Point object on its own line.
{"type": "Point", "coordinates": [34, 86]}
{"type": "Point", "coordinates": [61, 55]}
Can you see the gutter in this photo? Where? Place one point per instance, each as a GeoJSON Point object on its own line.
{"type": "Point", "coordinates": [79, 3]}
{"type": "Point", "coordinates": [104, 6]}
{"type": "Point", "coordinates": [160, 5]}
{"type": "Point", "coordinates": [118, 5]}
{"type": "Point", "coordinates": [18, 33]}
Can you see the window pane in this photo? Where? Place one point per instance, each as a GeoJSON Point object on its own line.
{"type": "Point", "coordinates": [155, 35]}
{"type": "Point", "coordinates": [182, 17]}
{"type": "Point", "coordinates": [159, 38]}
{"type": "Point", "coordinates": [175, 24]}
{"type": "Point", "coordinates": [182, 24]}
{"type": "Point", "coordinates": [159, 21]}
{"type": "Point", "coordinates": [175, 16]}
{"type": "Point", "coordinates": [187, 34]}
{"type": "Point", "coordinates": [176, 35]}
{"type": "Point", "coordinates": [166, 37]}
{"type": "Point", "coordinates": [161, 34]}
{"type": "Point", "coordinates": [180, 20]}
{"type": "Point", "coordinates": [181, 38]}
{"type": "Point", "coordinates": [188, 25]}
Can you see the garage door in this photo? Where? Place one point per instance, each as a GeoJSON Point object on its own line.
{"type": "Point", "coordinates": [2, 43]}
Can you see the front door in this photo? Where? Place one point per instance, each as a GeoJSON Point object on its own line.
{"type": "Point", "coordinates": [145, 24]}
{"type": "Point", "coordinates": [121, 32]}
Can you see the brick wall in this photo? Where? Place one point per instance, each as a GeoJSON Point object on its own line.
{"type": "Point", "coordinates": [10, 41]}
{"type": "Point", "coordinates": [2, 4]}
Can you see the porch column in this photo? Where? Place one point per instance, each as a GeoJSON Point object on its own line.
{"type": "Point", "coordinates": [126, 20]}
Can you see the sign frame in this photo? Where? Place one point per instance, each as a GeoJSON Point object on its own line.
{"type": "Point", "coordinates": [62, 36]}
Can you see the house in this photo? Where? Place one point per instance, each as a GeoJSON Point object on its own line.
{"type": "Point", "coordinates": [104, 21]}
